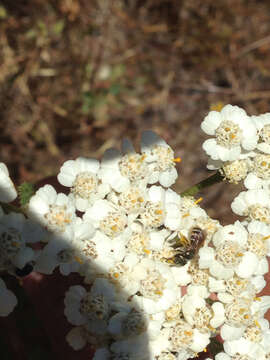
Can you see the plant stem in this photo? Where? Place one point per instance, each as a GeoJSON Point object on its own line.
{"type": "Point", "coordinates": [211, 180]}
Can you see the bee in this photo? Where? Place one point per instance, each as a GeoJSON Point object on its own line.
{"type": "Point", "coordinates": [187, 248]}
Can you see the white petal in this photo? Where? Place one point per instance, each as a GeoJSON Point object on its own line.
{"type": "Point", "coordinates": [200, 341]}
{"type": "Point", "coordinates": [156, 194]}
{"type": "Point", "coordinates": [211, 122]}
{"type": "Point", "coordinates": [102, 354]}
{"type": "Point", "coordinates": [149, 139]}
{"type": "Point", "coordinates": [206, 257]}
{"type": "Point", "coordinates": [216, 285]}
{"type": "Point", "coordinates": [222, 356]}
{"type": "Point", "coordinates": [23, 257]}
{"type": "Point", "coordinates": [220, 272]}
{"type": "Point", "coordinates": [75, 339]}
{"type": "Point", "coordinates": [219, 314]}
{"type": "Point", "coordinates": [231, 333]}
{"type": "Point", "coordinates": [262, 267]}
{"type": "Point", "coordinates": [252, 181]}
{"type": "Point", "coordinates": [247, 266]}
{"type": "Point", "coordinates": [7, 189]}
{"type": "Point", "coordinates": [167, 178]}
{"type": "Point", "coordinates": [264, 147]}
{"type": "Point", "coordinates": [258, 282]}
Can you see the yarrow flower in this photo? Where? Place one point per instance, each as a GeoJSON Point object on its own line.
{"type": "Point", "coordinates": [16, 235]}
{"type": "Point", "coordinates": [81, 175]}
{"type": "Point", "coordinates": [255, 204]}
{"type": "Point", "coordinates": [8, 192]}
{"type": "Point", "coordinates": [234, 132]}
{"type": "Point", "coordinates": [54, 211]}
{"type": "Point", "coordinates": [262, 123]}
{"type": "Point", "coordinates": [160, 157]}
{"type": "Point", "coordinates": [127, 233]}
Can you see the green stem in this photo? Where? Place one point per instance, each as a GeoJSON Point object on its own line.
{"type": "Point", "coordinates": [211, 180]}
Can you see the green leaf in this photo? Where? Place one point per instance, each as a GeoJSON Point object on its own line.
{"type": "Point", "coordinates": [58, 27]}
{"type": "Point", "coordinates": [117, 71]}
{"type": "Point", "coordinates": [3, 12]}
{"type": "Point", "coordinates": [25, 190]}
{"type": "Point", "coordinates": [115, 89]}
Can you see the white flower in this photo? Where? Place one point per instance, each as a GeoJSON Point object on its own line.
{"type": "Point", "coordinates": [184, 337]}
{"type": "Point", "coordinates": [158, 290]}
{"type": "Point", "coordinates": [233, 131]}
{"type": "Point", "coordinates": [59, 250]}
{"type": "Point", "coordinates": [231, 254]}
{"type": "Point", "coordinates": [159, 345]}
{"type": "Point", "coordinates": [144, 242]}
{"type": "Point", "coordinates": [259, 177]}
{"type": "Point", "coordinates": [76, 339]}
{"type": "Point", "coordinates": [122, 274]}
{"type": "Point", "coordinates": [15, 233]}
{"type": "Point", "coordinates": [230, 332]}
{"type": "Point", "coordinates": [193, 215]}
{"type": "Point", "coordinates": [8, 300]}
{"type": "Point", "coordinates": [133, 199]}
{"type": "Point", "coordinates": [70, 250]}
{"type": "Point", "coordinates": [173, 218]}
{"type": "Point", "coordinates": [198, 291]}
{"type": "Point", "coordinates": [253, 203]}
{"type": "Point", "coordinates": [181, 274]}
{"type": "Point", "coordinates": [93, 307]}
{"type": "Point", "coordinates": [252, 342]}
{"type": "Point", "coordinates": [258, 282]}
{"type": "Point", "coordinates": [236, 171]}
{"type": "Point", "coordinates": [110, 172]}
{"type": "Point", "coordinates": [160, 158]}
{"type": "Point", "coordinates": [80, 248]}
{"type": "Point", "coordinates": [102, 354]}
{"type": "Point", "coordinates": [98, 255]}
{"type": "Point", "coordinates": [233, 287]}
{"type": "Point", "coordinates": [8, 192]}
{"type": "Point", "coordinates": [200, 315]}
{"type": "Point", "coordinates": [134, 348]}
{"type": "Point", "coordinates": [121, 171]}
{"type": "Point", "coordinates": [262, 123]}
{"type": "Point", "coordinates": [233, 251]}
{"type": "Point", "coordinates": [79, 336]}
{"type": "Point", "coordinates": [81, 175]}
{"type": "Point", "coordinates": [130, 323]}
{"type": "Point", "coordinates": [109, 218]}
{"type": "Point", "coordinates": [54, 211]}
{"type": "Point", "coordinates": [242, 313]}
{"type": "Point", "coordinates": [154, 212]}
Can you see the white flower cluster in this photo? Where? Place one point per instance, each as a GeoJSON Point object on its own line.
{"type": "Point", "coordinates": [123, 245]}
{"type": "Point", "coordinates": [236, 256]}
{"type": "Point", "coordinates": [161, 278]}
{"type": "Point", "coordinates": [240, 147]}
{"type": "Point", "coordinates": [9, 251]}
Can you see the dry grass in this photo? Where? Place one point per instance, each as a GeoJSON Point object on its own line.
{"type": "Point", "coordinates": [77, 76]}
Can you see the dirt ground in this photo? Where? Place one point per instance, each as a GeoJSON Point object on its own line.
{"type": "Point", "coordinates": [77, 76]}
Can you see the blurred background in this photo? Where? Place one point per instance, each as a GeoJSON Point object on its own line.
{"type": "Point", "coordinates": [77, 76]}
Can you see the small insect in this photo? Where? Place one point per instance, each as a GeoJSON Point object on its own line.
{"type": "Point", "coordinates": [187, 248]}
